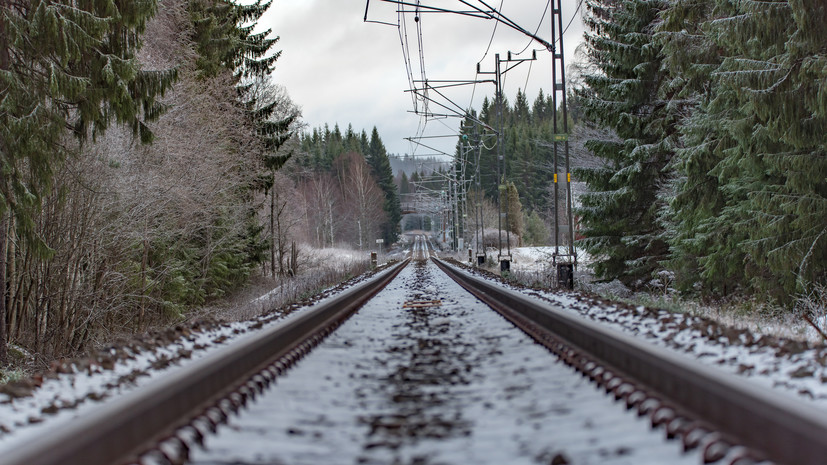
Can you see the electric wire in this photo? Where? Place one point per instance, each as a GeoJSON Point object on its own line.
{"type": "Point", "coordinates": [576, 11]}
{"type": "Point", "coordinates": [539, 25]}
{"type": "Point", "coordinates": [420, 44]}
{"type": "Point", "coordinates": [406, 55]}
{"type": "Point", "coordinates": [402, 26]}
{"type": "Point", "coordinates": [487, 49]}
{"type": "Point", "coordinates": [493, 32]}
{"type": "Point", "coordinates": [571, 20]}
{"type": "Point", "coordinates": [528, 75]}
{"type": "Point", "coordinates": [421, 48]}
{"type": "Point", "coordinates": [500, 17]}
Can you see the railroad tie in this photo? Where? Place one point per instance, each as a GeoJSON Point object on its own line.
{"type": "Point", "coordinates": [422, 303]}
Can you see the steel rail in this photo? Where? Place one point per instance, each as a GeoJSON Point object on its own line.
{"type": "Point", "coordinates": [127, 427]}
{"type": "Point", "coordinates": [775, 427]}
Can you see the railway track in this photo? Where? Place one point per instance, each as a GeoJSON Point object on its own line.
{"type": "Point", "coordinates": [425, 374]}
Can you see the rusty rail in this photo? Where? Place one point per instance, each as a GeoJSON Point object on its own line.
{"type": "Point", "coordinates": [119, 432]}
{"type": "Point", "coordinates": [690, 399]}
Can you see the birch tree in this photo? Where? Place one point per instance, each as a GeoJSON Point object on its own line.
{"type": "Point", "coordinates": [362, 192]}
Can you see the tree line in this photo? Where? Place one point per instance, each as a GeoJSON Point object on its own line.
{"type": "Point", "coordinates": [527, 136]}
{"type": "Point", "coordinates": [698, 132]}
{"type": "Point", "coordinates": [714, 162]}
{"type": "Point", "coordinates": [348, 188]}
{"type": "Point", "coordinates": [527, 180]}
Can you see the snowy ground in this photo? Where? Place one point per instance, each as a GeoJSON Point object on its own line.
{"type": "Point", "coordinates": [789, 366]}
{"type": "Point", "coordinates": [538, 260]}
{"type": "Point", "coordinates": [453, 383]}
{"type": "Point", "coordinates": [30, 406]}
{"type": "Point", "coordinates": [785, 365]}
{"type": "Point", "coordinates": [77, 389]}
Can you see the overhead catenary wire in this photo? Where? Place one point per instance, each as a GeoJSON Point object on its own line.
{"type": "Point", "coordinates": [478, 8]}
{"type": "Point", "coordinates": [406, 55]}
{"type": "Point", "coordinates": [487, 49]}
{"type": "Point", "coordinates": [493, 33]}
{"type": "Point", "coordinates": [421, 48]}
{"type": "Point", "coordinates": [576, 11]}
{"type": "Point", "coordinates": [571, 20]}
{"type": "Point", "coordinates": [536, 31]}
{"type": "Point", "coordinates": [406, 52]}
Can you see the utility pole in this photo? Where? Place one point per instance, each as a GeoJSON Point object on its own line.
{"type": "Point", "coordinates": [457, 227]}
{"type": "Point", "coordinates": [502, 185]}
{"type": "Point", "coordinates": [470, 154]}
{"type": "Point", "coordinates": [564, 262]}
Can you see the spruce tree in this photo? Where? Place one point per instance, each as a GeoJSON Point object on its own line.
{"type": "Point", "coordinates": [704, 246]}
{"type": "Point", "coordinates": [795, 111]}
{"type": "Point", "coordinates": [224, 38]}
{"type": "Point", "coordinates": [225, 42]}
{"type": "Point", "coordinates": [521, 113]}
{"type": "Point", "coordinates": [775, 176]}
{"type": "Point", "coordinates": [619, 213]}
{"type": "Point", "coordinates": [538, 108]}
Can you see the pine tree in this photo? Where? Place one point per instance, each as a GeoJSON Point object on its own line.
{"type": "Point", "coordinates": [64, 65]}
{"type": "Point", "coordinates": [619, 213]}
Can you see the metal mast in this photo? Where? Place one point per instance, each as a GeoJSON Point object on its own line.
{"type": "Point", "coordinates": [564, 262]}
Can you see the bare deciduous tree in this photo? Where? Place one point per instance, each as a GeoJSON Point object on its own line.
{"type": "Point", "coordinates": [321, 197]}
{"type": "Point", "coordinates": [363, 196]}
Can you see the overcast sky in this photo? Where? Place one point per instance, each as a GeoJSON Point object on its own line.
{"type": "Point", "coordinates": [339, 69]}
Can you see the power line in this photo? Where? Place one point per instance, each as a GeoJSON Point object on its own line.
{"type": "Point", "coordinates": [539, 25]}
{"type": "Point", "coordinates": [491, 40]}
{"type": "Point", "coordinates": [579, 4]}
{"type": "Point", "coordinates": [487, 49]}
{"type": "Point", "coordinates": [406, 53]}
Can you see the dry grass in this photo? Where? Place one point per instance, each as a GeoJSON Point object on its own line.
{"type": "Point", "coordinates": [265, 295]}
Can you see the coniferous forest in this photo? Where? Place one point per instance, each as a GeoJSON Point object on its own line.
{"type": "Point", "coordinates": [714, 156]}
